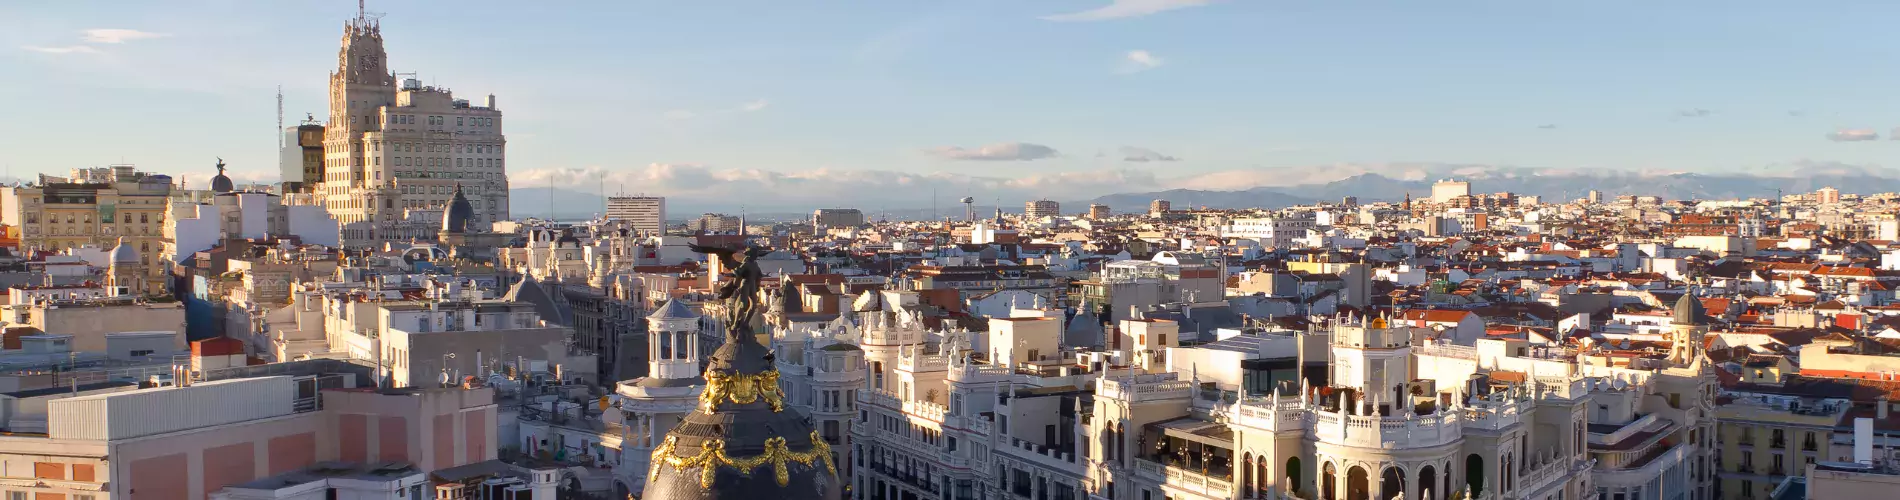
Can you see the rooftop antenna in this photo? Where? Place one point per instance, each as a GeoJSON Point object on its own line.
{"type": "Point", "coordinates": [280, 117]}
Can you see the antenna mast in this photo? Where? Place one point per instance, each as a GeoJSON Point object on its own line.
{"type": "Point", "coordinates": [280, 117]}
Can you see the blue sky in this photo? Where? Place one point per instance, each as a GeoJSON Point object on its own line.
{"type": "Point", "coordinates": [681, 98]}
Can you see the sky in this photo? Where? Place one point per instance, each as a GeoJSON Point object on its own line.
{"type": "Point", "coordinates": [842, 100]}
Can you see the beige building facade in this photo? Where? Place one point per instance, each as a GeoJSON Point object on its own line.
{"type": "Point", "coordinates": [392, 149]}
{"type": "Point", "coordinates": [93, 207]}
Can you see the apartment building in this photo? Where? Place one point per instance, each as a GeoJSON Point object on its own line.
{"type": "Point", "coordinates": [837, 217]}
{"type": "Point", "coordinates": [1036, 210]}
{"type": "Point", "coordinates": [647, 214]}
{"type": "Point", "coordinates": [193, 440]}
{"type": "Point", "coordinates": [94, 207]}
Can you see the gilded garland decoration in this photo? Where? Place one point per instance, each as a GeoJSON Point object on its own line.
{"type": "Point", "coordinates": [742, 389]}
{"type": "Point", "coordinates": [712, 454]}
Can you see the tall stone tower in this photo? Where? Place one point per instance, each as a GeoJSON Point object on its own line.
{"type": "Point", "coordinates": [354, 189]}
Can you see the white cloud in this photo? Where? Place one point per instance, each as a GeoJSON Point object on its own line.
{"type": "Point", "coordinates": [117, 35]}
{"type": "Point", "coordinates": [1142, 155]}
{"type": "Point", "coordinates": [693, 184]}
{"type": "Point", "coordinates": [69, 49]}
{"type": "Point", "coordinates": [1120, 9]}
{"type": "Point", "coordinates": [1139, 60]}
{"type": "Point", "coordinates": [1694, 113]}
{"type": "Point", "coordinates": [755, 105]}
{"type": "Point", "coordinates": [1853, 135]}
{"type": "Point", "coordinates": [1005, 151]}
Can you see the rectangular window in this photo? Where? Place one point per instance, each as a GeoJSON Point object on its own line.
{"type": "Point", "coordinates": [49, 470]}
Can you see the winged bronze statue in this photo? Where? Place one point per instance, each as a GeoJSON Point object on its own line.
{"type": "Point", "coordinates": [740, 295]}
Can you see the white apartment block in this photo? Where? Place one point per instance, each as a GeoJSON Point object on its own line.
{"type": "Point", "coordinates": [647, 214]}
{"type": "Point", "coordinates": [1446, 190]}
{"type": "Point", "coordinates": [1271, 232]}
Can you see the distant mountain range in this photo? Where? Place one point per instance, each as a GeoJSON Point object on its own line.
{"type": "Point", "coordinates": [1269, 188]}
{"type": "Point", "coordinates": [1553, 188]}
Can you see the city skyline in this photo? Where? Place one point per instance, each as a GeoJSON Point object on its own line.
{"type": "Point", "coordinates": [1069, 98]}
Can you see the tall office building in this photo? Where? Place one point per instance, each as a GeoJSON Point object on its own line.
{"type": "Point", "coordinates": [300, 164]}
{"type": "Point", "coordinates": [837, 217]}
{"type": "Point", "coordinates": [647, 214]}
{"type": "Point", "coordinates": [395, 155]}
{"type": "Point", "coordinates": [1827, 196]}
{"type": "Point", "coordinates": [1098, 211]}
{"type": "Point", "coordinates": [1447, 190]}
{"type": "Point", "coordinates": [1041, 208]}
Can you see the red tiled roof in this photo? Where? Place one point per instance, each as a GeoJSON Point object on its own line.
{"type": "Point", "coordinates": [1436, 315]}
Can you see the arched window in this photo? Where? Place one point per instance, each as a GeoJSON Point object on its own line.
{"type": "Point", "coordinates": [1329, 483]}
{"type": "Point", "coordinates": [1392, 483]}
{"type": "Point", "coordinates": [1428, 483]}
{"type": "Point", "coordinates": [1474, 476]}
{"type": "Point", "coordinates": [1246, 475]}
{"type": "Point", "coordinates": [1358, 484]}
{"type": "Point", "coordinates": [1292, 474]}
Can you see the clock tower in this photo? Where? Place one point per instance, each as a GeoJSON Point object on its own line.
{"type": "Point", "coordinates": [361, 90]}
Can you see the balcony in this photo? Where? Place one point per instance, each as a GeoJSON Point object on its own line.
{"type": "Point", "coordinates": [1186, 479]}
{"type": "Point", "coordinates": [978, 373]}
{"type": "Point", "coordinates": [1778, 443]}
{"type": "Point", "coordinates": [908, 478]}
{"type": "Point", "coordinates": [1041, 455]}
{"type": "Point", "coordinates": [1388, 432]}
{"type": "Point", "coordinates": [1143, 387]}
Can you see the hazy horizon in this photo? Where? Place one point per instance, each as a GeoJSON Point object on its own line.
{"type": "Point", "coordinates": [1066, 99]}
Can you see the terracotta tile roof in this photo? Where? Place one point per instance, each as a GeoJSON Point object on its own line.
{"type": "Point", "coordinates": [1435, 315]}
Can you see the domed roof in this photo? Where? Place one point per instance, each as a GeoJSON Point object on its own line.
{"type": "Point", "coordinates": [124, 253]}
{"type": "Point", "coordinates": [743, 441]}
{"type": "Point", "coordinates": [455, 219]}
{"type": "Point", "coordinates": [220, 183]}
{"type": "Point", "coordinates": [1688, 310]}
{"type": "Point", "coordinates": [673, 309]}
